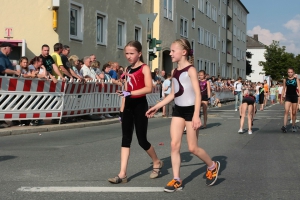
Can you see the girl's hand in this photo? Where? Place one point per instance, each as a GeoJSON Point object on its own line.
{"type": "Point", "coordinates": [196, 122]}
{"type": "Point", "coordinates": [150, 113]}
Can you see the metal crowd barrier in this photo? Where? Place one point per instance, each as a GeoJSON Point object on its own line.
{"type": "Point", "coordinates": [24, 99]}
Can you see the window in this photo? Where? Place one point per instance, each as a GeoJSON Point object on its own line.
{"type": "Point", "coordinates": [223, 46]}
{"type": "Point", "coordinates": [201, 35]}
{"type": "Point", "coordinates": [200, 65]}
{"type": "Point", "coordinates": [207, 38]}
{"type": "Point", "coordinates": [238, 53]}
{"type": "Point", "coordinates": [220, 7]}
{"type": "Point", "coordinates": [76, 21]}
{"type": "Point", "coordinates": [193, 46]}
{"type": "Point", "coordinates": [208, 9]}
{"type": "Point", "coordinates": [234, 29]}
{"type": "Point", "coordinates": [201, 5]}
{"type": "Point", "coordinates": [139, 1]}
{"type": "Point", "coordinates": [101, 28]}
{"type": "Point", "coordinates": [214, 41]}
{"type": "Point", "coordinates": [138, 33]}
{"type": "Point", "coordinates": [219, 32]}
{"type": "Point", "coordinates": [223, 70]}
{"type": "Point", "coordinates": [183, 27]}
{"type": "Point", "coordinates": [234, 51]}
{"type": "Point", "coordinates": [214, 14]}
{"type": "Point", "coordinates": [121, 34]}
{"type": "Point", "coordinates": [193, 17]}
{"type": "Point", "coordinates": [224, 21]}
{"type": "Point", "coordinates": [168, 9]}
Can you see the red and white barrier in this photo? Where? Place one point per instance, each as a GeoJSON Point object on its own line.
{"type": "Point", "coordinates": [79, 99]}
{"type": "Point", "coordinates": [26, 99]}
{"type": "Point", "coordinates": [106, 100]}
{"type": "Point", "coordinates": [154, 97]}
{"type": "Point", "coordinates": [30, 98]}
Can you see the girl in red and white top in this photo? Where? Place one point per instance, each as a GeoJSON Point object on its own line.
{"type": "Point", "coordinates": [138, 83]}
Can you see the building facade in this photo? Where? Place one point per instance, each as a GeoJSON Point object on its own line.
{"type": "Point", "coordinates": [216, 30]}
{"type": "Point", "coordinates": [257, 49]}
{"type": "Point", "coordinates": [100, 27]}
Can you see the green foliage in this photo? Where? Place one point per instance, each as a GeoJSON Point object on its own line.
{"type": "Point", "coordinates": [278, 61]}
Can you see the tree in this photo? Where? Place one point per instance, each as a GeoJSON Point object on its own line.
{"type": "Point", "coordinates": [277, 61]}
{"type": "Point", "coordinates": [248, 63]}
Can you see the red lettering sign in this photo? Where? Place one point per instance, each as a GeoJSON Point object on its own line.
{"type": "Point", "coordinates": [8, 32]}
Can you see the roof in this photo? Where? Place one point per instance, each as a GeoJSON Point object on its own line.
{"type": "Point", "coordinates": [254, 44]}
{"type": "Point", "coordinates": [243, 6]}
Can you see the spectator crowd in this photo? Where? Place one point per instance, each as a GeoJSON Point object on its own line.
{"type": "Point", "coordinates": [59, 65]}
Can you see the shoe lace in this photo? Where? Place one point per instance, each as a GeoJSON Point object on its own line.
{"type": "Point", "coordinates": [171, 183]}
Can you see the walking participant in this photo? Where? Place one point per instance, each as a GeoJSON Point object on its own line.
{"type": "Point", "coordinates": [237, 91]}
{"type": "Point", "coordinates": [186, 94]}
{"type": "Point", "coordinates": [248, 103]}
{"type": "Point", "coordinates": [261, 97]}
{"type": "Point", "coordinates": [289, 93]}
{"type": "Point", "coordinates": [205, 94]}
{"type": "Point", "coordinates": [138, 84]}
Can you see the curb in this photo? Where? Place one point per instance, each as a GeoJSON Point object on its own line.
{"type": "Point", "coordinates": [48, 128]}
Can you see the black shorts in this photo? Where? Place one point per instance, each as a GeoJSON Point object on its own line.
{"type": "Point", "coordinates": [185, 112]}
{"type": "Point", "coordinates": [248, 100]}
{"type": "Point", "coordinates": [292, 98]}
{"type": "Point", "coordinates": [204, 98]}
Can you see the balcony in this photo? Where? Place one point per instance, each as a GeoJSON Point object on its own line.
{"type": "Point", "coordinates": [229, 12]}
{"type": "Point", "coordinates": [229, 58]}
{"type": "Point", "coordinates": [229, 35]}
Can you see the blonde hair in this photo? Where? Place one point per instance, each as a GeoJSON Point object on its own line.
{"type": "Point", "coordinates": [95, 64]}
{"type": "Point", "coordinates": [73, 59]}
{"type": "Point", "coordinates": [186, 46]}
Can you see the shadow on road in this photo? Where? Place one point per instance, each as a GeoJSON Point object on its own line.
{"type": "Point", "coordinates": [5, 158]}
{"type": "Point", "coordinates": [185, 158]}
{"type": "Point", "coordinates": [211, 125]}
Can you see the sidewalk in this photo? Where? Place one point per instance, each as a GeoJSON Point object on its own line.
{"type": "Point", "coordinates": [18, 130]}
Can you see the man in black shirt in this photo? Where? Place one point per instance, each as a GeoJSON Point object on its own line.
{"type": "Point", "coordinates": [67, 65]}
{"type": "Point", "coordinates": [49, 63]}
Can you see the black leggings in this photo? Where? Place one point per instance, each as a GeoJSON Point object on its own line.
{"type": "Point", "coordinates": [134, 116]}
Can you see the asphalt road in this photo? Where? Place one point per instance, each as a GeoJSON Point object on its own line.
{"type": "Point", "coordinates": [264, 165]}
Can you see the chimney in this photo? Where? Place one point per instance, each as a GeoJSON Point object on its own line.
{"type": "Point", "coordinates": [255, 36]}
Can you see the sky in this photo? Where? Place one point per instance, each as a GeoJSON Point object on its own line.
{"type": "Point", "coordinates": [275, 20]}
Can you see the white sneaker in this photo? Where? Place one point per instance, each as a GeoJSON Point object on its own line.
{"type": "Point", "coordinates": [102, 117]}
{"type": "Point", "coordinates": [108, 115]}
{"type": "Point", "coordinates": [249, 132]}
{"type": "Point", "coordinates": [240, 131]}
{"type": "Point", "coordinates": [235, 110]}
{"type": "Point", "coordinates": [294, 129]}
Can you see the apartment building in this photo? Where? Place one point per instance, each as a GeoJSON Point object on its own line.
{"type": "Point", "coordinates": [215, 28]}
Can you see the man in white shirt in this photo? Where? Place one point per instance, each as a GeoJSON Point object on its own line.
{"type": "Point", "coordinates": [237, 91]}
{"type": "Point", "coordinates": [86, 70]}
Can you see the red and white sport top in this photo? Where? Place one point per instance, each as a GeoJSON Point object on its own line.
{"type": "Point", "coordinates": [135, 80]}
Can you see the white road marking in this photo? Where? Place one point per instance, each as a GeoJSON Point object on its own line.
{"type": "Point", "coordinates": [91, 189]}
